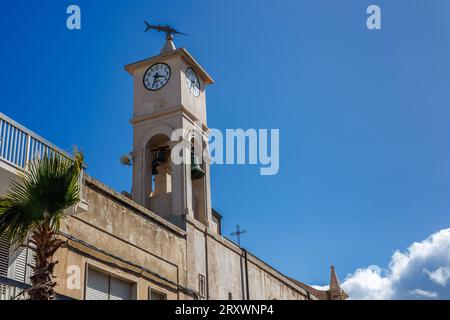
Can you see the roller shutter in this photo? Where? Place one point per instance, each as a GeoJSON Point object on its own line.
{"type": "Point", "coordinates": [119, 290]}
{"type": "Point", "coordinates": [101, 286]}
{"type": "Point", "coordinates": [4, 256]}
{"type": "Point", "coordinates": [97, 286]}
{"type": "Point", "coordinates": [22, 260]}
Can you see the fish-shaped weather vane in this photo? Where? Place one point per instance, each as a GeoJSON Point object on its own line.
{"type": "Point", "coordinates": [168, 30]}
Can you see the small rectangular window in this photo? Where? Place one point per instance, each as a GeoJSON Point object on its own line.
{"type": "Point", "coordinates": [230, 296]}
{"type": "Point", "coordinates": [101, 286]}
{"type": "Point", "coordinates": [202, 285]}
{"type": "Point", "coordinates": [157, 295]}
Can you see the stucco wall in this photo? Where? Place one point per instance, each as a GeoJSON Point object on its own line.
{"type": "Point", "coordinates": [125, 240]}
{"type": "Point", "coordinates": [227, 269]}
{"type": "Point", "coordinates": [118, 237]}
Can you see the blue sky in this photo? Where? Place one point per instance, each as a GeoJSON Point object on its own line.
{"type": "Point", "coordinates": [363, 115]}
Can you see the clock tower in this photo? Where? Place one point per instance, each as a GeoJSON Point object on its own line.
{"type": "Point", "coordinates": [169, 94]}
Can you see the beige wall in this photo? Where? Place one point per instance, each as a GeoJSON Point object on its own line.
{"type": "Point", "coordinates": [127, 241]}
{"type": "Point", "coordinates": [116, 236]}
{"type": "Point", "coordinates": [227, 271]}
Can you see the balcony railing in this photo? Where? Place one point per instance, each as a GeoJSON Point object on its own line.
{"type": "Point", "coordinates": [18, 145]}
{"type": "Point", "coordinates": [11, 289]}
{"type": "Point", "coordinates": [15, 290]}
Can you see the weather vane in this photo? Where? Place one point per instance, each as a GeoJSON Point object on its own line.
{"type": "Point", "coordinates": [238, 233]}
{"type": "Point", "coordinates": [168, 30]}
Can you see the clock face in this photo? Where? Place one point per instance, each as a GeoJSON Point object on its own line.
{"type": "Point", "coordinates": [193, 82]}
{"type": "Point", "coordinates": [157, 76]}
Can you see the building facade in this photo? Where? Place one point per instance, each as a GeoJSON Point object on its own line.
{"type": "Point", "coordinates": [162, 241]}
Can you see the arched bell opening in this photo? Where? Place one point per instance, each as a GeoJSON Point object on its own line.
{"type": "Point", "coordinates": [198, 179]}
{"type": "Point", "coordinates": [158, 175]}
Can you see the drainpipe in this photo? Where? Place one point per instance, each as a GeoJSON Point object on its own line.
{"type": "Point", "coordinates": [206, 263]}
{"type": "Point", "coordinates": [246, 274]}
{"type": "Point", "coordinates": [241, 267]}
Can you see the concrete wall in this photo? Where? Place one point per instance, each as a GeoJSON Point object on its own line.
{"type": "Point", "coordinates": [119, 237]}
{"type": "Point", "coordinates": [224, 264]}
{"type": "Point", "coordinates": [127, 241]}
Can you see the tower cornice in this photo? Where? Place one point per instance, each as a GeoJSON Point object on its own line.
{"type": "Point", "coordinates": [182, 52]}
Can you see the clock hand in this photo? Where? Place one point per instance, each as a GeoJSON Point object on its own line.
{"type": "Point", "coordinates": [155, 77]}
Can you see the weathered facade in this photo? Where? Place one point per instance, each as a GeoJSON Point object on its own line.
{"type": "Point", "coordinates": [162, 241]}
{"type": "Point", "coordinates": [120, 238]}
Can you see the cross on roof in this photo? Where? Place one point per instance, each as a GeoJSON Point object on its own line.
{"type": "Point", "coordinates": [238, 233]}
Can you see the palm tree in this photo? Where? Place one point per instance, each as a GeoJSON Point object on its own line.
{"type": "Point", "coordinates": [33, 209]}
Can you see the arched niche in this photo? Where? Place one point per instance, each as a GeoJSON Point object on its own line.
{"type": "Point", "coordinates": [158, 175]}
{"type": "Point", "coordinates": [199, 187]}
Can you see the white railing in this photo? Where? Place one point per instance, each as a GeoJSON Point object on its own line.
{"type": "Point", "coordinates": [18, 145]}
{"type": "Point", "coordinates": [12, 290]}
{"type": "Point", "coordinates": [11, 293]}
{"type": "Point", "coordinates": [15, 290]}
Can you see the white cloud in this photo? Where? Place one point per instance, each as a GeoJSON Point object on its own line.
{"type": "Point", "coordinates": [440, 276]}
{"type": "Point", "coordinates": [424, 294]}
{"type": "Point", "coordinates": [322, 288]}
{"type": "Point", "coordinates": [422, 272]}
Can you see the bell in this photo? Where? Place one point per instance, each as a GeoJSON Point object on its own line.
{"type": "Point", "coordinates": [161, 155]}
{"type": "Point", "coordinates": [196, 170]}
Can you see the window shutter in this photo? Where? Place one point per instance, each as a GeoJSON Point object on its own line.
{"type": "Point", "coordinates": [21, 259]}
{"type": "Point", "coordinates": [97, 285]}
{"type": "Point", "coordinates": [4, 256]}
{"type": "Point", "coordinates": [20, 264]}
{"type": "Point", "coordinates": [31, 262]}
{"type": "Point", "coordinates": [101, 286]}
{"type": "Point", "coordinates": [120, 290]}
{"type": "Point", "coordinates": [155, 295]}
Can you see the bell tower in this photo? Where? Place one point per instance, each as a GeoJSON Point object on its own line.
{"type": "Point", "coordinates": [169, 94]}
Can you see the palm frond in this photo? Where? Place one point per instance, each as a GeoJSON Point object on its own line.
{"type": "Point", "coordinates": [42, 194]}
